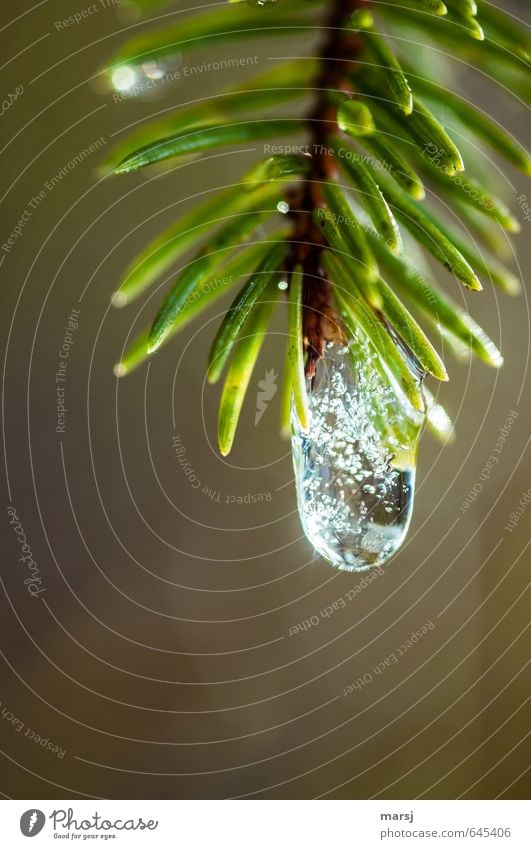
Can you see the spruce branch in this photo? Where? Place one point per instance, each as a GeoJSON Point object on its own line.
{"type": "Point", "coordinates": [376, 140]}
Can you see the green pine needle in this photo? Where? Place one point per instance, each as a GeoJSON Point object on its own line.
{"type": "Point", "coordinates": [394, 78]}
{"type": "Point", "coordinates": [371, 196]}
{"type": "Point", "coordinates": [268, 270]}
{"type": "Point", "coordinates": [209, 30]}
{"type": "Point", "coordinates": [342, 220]}
{"type": "Point", "coordinates": [242, 366]}
{"type": "Point", "coordinates": [194, 141]}
{"type": "Point", "coordinates": [295, 349]}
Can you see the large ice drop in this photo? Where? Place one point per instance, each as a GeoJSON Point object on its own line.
{"type": "Point", "coordinates": [355, 467]}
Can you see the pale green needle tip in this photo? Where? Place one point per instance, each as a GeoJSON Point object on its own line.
{"type": "Point", "coordinates": [154, 344]}
{"type": "Point", "coordinates": [119, 370]}
{"type": "Point", "coordinates": [118, 299]}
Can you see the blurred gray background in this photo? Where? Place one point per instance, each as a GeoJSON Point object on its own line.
{"type": "Point", "coordinates": [158, 661]}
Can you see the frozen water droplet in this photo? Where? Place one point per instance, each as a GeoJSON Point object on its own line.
{"type": "Point", "coordinates": [355, 467]}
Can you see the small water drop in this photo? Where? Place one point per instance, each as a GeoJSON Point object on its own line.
{"type": "Point", "coordinates": [355, 467]}
{"type": "Point", "coordinates": [261, 3]}
{"type": "Point", "coordinates": [283, 285]}
{"type": "Point", "coordinates": [124, 78]}
{"type": "Point", "coordinates": [283, 207]}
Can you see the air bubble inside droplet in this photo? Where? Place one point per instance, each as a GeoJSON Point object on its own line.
{"type": "Point", "coordinates": [355, 466]}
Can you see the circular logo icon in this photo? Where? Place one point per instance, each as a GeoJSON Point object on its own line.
{"type": "Point", "coordinates": [31, 822]}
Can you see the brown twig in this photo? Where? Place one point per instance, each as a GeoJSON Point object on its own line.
{"type": "Point", "coordinates": [320, 321]}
